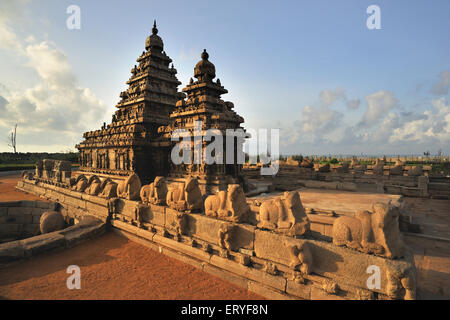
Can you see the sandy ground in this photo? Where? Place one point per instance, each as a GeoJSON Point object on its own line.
{"type": "Point", "coordinates": [113, 267]}
{"type": "Point", "coordinates": [8, 190]}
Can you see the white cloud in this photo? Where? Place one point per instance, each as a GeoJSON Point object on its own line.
{"type": "Point", "coordinates": [442, 87]}
{"type": "Point", "coordinates": [353, 104]}
{"type": "Point", "coordinates": [378, 105]}
{"type": "Point", "coordinates": [328, 97]}
{"type": "Point", "coordinates": [433, 127]}
{"type": "Point", "coordinates": [56, 110]}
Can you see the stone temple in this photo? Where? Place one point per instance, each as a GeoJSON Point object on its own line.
{"type": "Point", "coordinates": [138, 139]}
{"type": "Point", "coordinates": [268, 243]}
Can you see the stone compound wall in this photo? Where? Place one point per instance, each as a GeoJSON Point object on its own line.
{"type": "Point", "coordinates": [292, 177]}
{"type": "Point", "coordinates": [259, 260]}
{"type": "Point", "coordinates": [87, 228]}
{"type": "Point", "coordinates": [20, 219]}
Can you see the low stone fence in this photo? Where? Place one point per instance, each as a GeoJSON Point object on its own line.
{"type": "Point", "coordinates": [20, 219]}
{"type": "Point", "coordinates": [293, 177]}
{"type": "Point", "coordinates": [259, 260]}
{"type": "Point", "coordinates": [68, 237]}
{"type": "Point", "coordinates": [274, 265]}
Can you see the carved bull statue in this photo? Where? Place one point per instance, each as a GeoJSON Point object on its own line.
{"type": "Point", "coordinates": [285, 214]}
{"type": "Point", "coordinates": [186, 197]}
{"type": "Point", "coordinates": [94, 186]}
{"type": "Point", "coordinates": [377, 169]}
{"type": "Point", "coordinates": [155, 192]}
{"type": "Point", "coordinates": [397, 169]}
{"type": "Point", "coordinates": [415, 171]}
{"type": "Point", "coordinates": [371, 232]}
{"type": "Point", "coordinates": [322, 167]}
{"type": "Point", "coordinates": [129, 188]}
{"type": "Point", "coordinates": [81, 183]}
{"type": "Point", "coordinates": [108, 189]}
{"type": "Point", "coordinates": [306, 163]}
{"type": "Point", "coordinates": [357, 166]}
{"type": "Point", "coordinates": [26, 175]}
{"type": "Point", "coordinates": [301, 258]}
{"type": "Point", "coordinates": [229, 205]}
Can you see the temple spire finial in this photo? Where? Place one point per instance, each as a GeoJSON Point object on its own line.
{"type": "Point", "coordinates": [154, 29]}
{"type": "Point", "coordinates": [205, 55]}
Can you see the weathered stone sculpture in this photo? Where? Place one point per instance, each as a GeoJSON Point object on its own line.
{"type": "Point", "coordinates": [186, 197]}
{"type": "Point", "coordinates": [81, 183]}
{"type": "Point", "coordinates": [181, 223]}
{"type": "Point", "coordinates": [375, 232]}
{"type": "Point", "coordinates": [342, 168]}
{"type": "Point", "coordinates": [224, 236]}
{"type": "Point", "coordinates": [94, 186]}
{"type": "Point", "coordinates": [39, 168]}
{"type": "Point", "coordinates": [291, 162]}
{"type": "Point", "coordinates": [356, 166]}
{"type": "Point", "coordinates": [285, 214]}
{"type": "Point", "coordinates": [322, 167]}
{"type": "Point", "coordinates": [129, 188]}
{"type": "Point", "coordinates": [301, 258]}
{"type": "Point", "coordinates": [306, 163]}
{"type": "Point", "coordinates": [229, 205]}
{"type": "Point", "coordinates": [415, 171]}
{"type": "Point", "coordinates": [109, 189]}
{"type": "Point", "coordinates": [27, 175]}
{"type": "Point", "coordinates": [399, 280]}
{"type": "Point", "coordinates": [377, 169]}
{"type": "Point", "coordinates": [156, 192]}
{"type": "Point", "coordinates": [397, 169]}
{"type": "Point", "coordinates": [51, 221]}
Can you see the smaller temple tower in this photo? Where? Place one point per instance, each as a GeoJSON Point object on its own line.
{"type": "Point", "coordinates": [204, 105]}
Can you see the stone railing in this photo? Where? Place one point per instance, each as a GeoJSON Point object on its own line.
{"type": "Point", "coordinates": [20, 219]}
{"type": "Point", "coordinates": [272, 262]}
{"type": "Point", "coordinates": [293, 177]}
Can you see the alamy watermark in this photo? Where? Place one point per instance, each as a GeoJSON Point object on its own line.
{"type": "Point", "coordinates": [74, 20]}
{"type": "Point", "coordinates": [374, 20]}
{"type": "Point", "coordinates": [74, 280]}
{"type": "Point", "coordinates": [374, 280]}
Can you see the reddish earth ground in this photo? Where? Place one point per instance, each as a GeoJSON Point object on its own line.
{"type": "Point", "coordinates": [8, 190]}
{"type": "Point", "coordinates": [112, 267]}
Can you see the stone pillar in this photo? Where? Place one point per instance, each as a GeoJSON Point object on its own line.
{"type": "Point", "coordinates": [423, 185]}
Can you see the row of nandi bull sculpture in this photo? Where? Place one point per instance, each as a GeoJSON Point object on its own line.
{"type": "Point", "coordinates": [285, 214]}
{"type": "Point", "coordinates": [126, 189]}
{"type": "Point", "coordinates": [375, 232]}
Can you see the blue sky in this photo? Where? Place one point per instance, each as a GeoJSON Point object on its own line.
{"type": "Point", "coordinates": [310, 68]}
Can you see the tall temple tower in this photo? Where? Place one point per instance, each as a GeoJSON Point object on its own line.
{"type": "Point", "coordinates": [203, 103]}
{"type": "Point", "coordinates": [127, 144]}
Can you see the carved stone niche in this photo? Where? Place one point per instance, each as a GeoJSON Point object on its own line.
{"type": "Point", "coordinates": [224, 238]}
{"type": "Point", "coordinates": [230, 205]}
{"type": "Point", "coordinates": [284, 214]}
{"type": "Point", "coordinates": [301, 258]}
